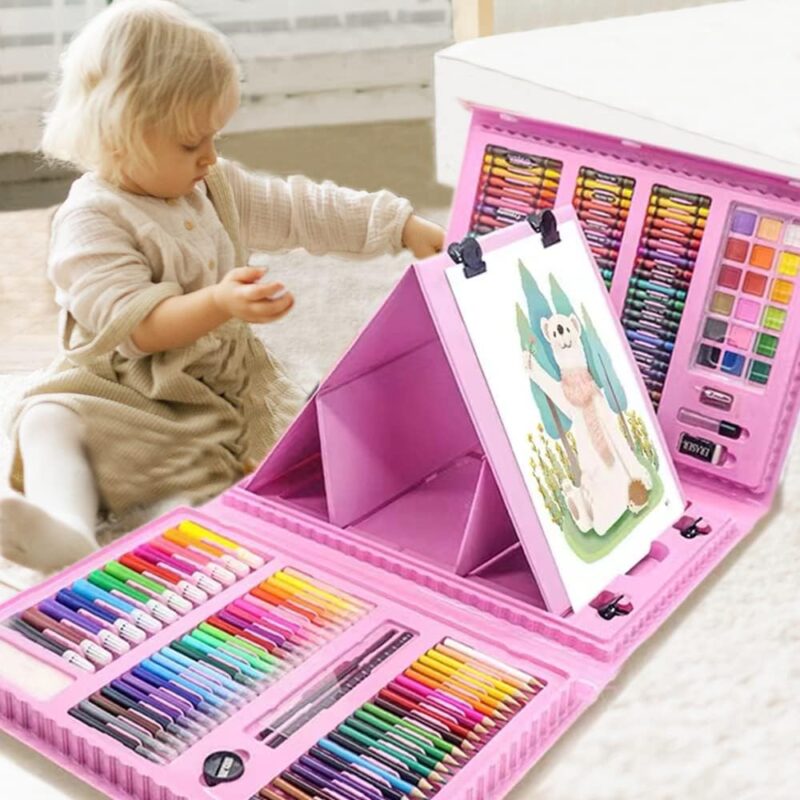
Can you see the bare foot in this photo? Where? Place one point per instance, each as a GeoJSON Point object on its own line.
{"type": "Point", "coordinates": [31, 536]}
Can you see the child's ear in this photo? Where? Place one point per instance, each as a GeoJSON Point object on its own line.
{"type": "Point", "coordinates": [545, 323]}
{"type": "Point", "coordinates": [576, 322]}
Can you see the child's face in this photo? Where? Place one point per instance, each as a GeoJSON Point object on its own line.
{"type": "Point", "coordinates": [179, 165]}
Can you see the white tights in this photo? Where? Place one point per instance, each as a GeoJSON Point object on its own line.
{"type": "Point", "coordinates": [54, 523]}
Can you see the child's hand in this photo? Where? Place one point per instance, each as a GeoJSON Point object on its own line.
{"type": "Point", "coordinates": [239, 295]}
{"type": "Point", "coordinates": [422, 237]}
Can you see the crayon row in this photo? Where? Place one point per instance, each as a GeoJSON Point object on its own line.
{"type": "Point", "coordinates": [662, 272]}
{"type": "Point", "coordinates": [412, 737]}
{"type": "Point", "coordinates": [97, 618]}
{"type": "Point", "coordinates": [511, 186]}
{"type": "Point", "coordinates": [602, 202]}
{"type": "Point", "coordinates": [181, 691]}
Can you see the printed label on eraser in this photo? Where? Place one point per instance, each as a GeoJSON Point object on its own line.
{"type": "Point", "coordinates": [703, 449]}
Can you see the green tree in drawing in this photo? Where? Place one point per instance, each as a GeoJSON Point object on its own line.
{"type": "Point", "coordinates": [531, 338]}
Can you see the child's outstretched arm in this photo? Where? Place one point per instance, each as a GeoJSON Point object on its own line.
{"type": "Point", "coordinates": [279, 214]}
{"type": "Point", "coordinates": [104, 280]}
{"type": "Point", "coordinates": [180, 321]}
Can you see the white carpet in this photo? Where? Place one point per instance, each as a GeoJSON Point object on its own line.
{"type": "Point", "coordinates": [707, 709]}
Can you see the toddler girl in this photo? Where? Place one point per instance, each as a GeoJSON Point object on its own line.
{"type": "Point", "coordinates": [161, 388]}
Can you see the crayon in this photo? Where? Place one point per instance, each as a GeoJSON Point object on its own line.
{"type": "Point", "coordinates": [507, 214]}
{"type": "Point", "coordinates": [665, 191]}
{"type": "Point", "coordinates": [644, 317]}
{"type": "Point", "coordinates": [661, 256]}
{"type": "Point", "coordinates": [661, 277]}
{"type": "Point", "coordinates": [604, 198]}
{"type": "Point", "coordinates": [673, 214]}
{"type": "Point", "coordinates": [642, 284]}
{"type": "Point", "coordinates": [600, 209]}
{"type": "Point", "coordinates": [524, 169]}
{"type": "Point", "coordinates": [499, 150]}
{"type": "Point", "coordinates": [658, 342]}
{"type": "Point", "coordinates": [587, 173]}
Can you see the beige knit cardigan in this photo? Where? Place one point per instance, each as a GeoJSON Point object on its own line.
{"type": "Point", "coordinates": [186, 422]}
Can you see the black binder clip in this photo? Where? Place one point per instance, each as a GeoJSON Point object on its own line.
{"type": "Point", "coordinates": [610, 605]}
{"type": "Point", "coordinates": [468, 252]}
{"type": "Point", "coordinates": [690, 528]}
{"type": "Point", "coordinates": [545, 223]}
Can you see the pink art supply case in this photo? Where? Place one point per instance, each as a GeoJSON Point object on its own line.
{"type": "Point", "coordinates": [395, 485]}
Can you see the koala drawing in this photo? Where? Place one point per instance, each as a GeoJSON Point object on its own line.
{"type": "Point", "coordinates": [612, 478]}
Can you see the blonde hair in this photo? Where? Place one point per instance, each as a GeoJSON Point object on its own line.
{"type": "Point", "coordinates": [138, 66]}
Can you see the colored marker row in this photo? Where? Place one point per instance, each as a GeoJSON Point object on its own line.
{"type": "Point", "coordinates": [602, 202]}
{"type": "Point", "coordinates": [181, 691]}
{"type": "Point", "coordinates": [511, 186]}
{"type": "Point", "coordinates": [659, 283]}
{"type": "Point", "coordinates": [415, 734]}
{"type": "Point", "coordinates": [97, 618]}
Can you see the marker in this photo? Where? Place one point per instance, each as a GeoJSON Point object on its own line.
{"type": "Point", "coordinates": [243, 554]}
{"type": "Point", "coordinates": [68, 654]}
{"type": "Point", "coordinates": [164, 576]}
{"type": "Point", "coordinates": [133, 717]}
{"type": "Point", "coordinates": [110, 584]}
{"type": "Point", "coordinates": [125, 699]}
{"type": "Point", "coordinates": [140, 623]}
{"type": "Point", "coordinates": [203, 582]}
{"type": "Point", "coordinates": [102, 622]}
{"type": "Point", "coordinates": [61, 612]}
{"type": "Point", "coordinates": [180, 537]}
{"type": "Point", "coordinates": [124, 739]}
{"type": "Point", "coordinates": [170, 598]}
{"type": "Point", "coordinates": [146, 741]}
{"type": "Point", "coordinates": [204, 562]}
{"type": "Point", "coordinates": [67, 636]}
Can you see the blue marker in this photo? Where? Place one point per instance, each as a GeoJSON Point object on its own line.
{"type": "Point", "coordinates": [94, 594]}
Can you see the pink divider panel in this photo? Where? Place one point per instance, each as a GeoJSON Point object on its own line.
{"type": "Point", "coordinates": [386, 431]}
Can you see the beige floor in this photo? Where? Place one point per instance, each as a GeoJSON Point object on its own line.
{"type": "Point", "coordinates": [398, 156]}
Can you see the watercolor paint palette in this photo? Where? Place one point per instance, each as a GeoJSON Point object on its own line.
{"type": "Point", "coordinates": [752, 295]}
